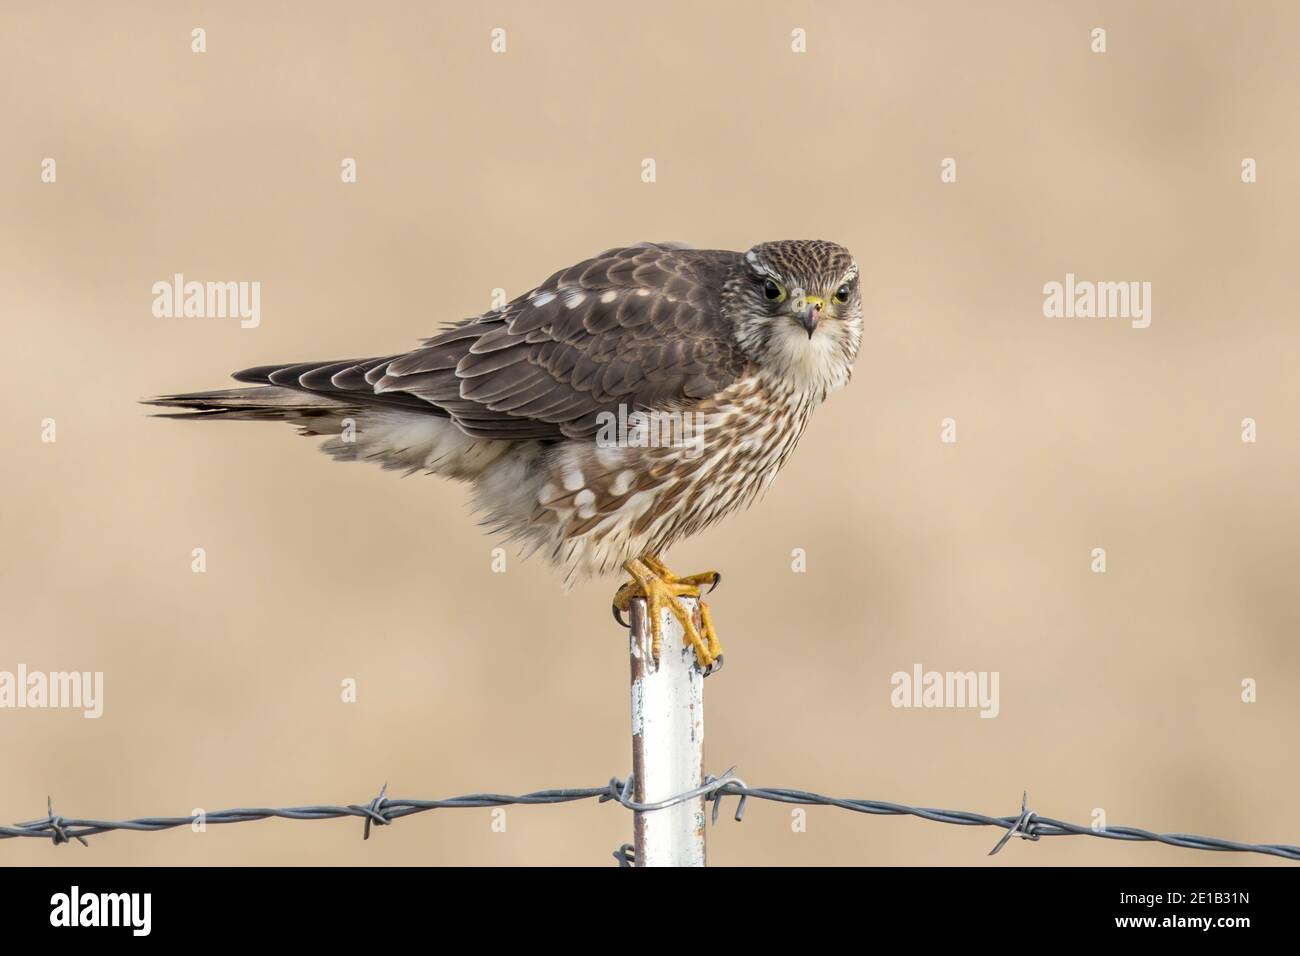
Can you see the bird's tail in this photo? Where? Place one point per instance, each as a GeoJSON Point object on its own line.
{"type": "Point", "coordinates": [267, 403]}
{"type": "Point", "coordinates": [393, 437]}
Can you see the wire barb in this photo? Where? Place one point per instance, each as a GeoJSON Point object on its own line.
{"type": "Point", "coordinates": [55, 824]}
{"type": "Point", "coordinates": [1023, 827]}
{"type": "Point", "coordinates": [731, 786]}
{"type": "Point", "coordinates": [374, 812]}
{"type": "Point", "coordinates": [626, 856]}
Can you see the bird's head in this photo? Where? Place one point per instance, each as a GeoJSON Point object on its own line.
{"type": "Point", "coordinates": [797, 309]}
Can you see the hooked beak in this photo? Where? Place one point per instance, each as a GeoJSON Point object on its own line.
{"type": "Point", "coordinates": [811, 314]}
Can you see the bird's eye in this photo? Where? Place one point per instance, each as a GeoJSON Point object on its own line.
{"type": "Point", "coordinates": [842, 294]}
{"type": "Point", "coordinates": [772, 291]}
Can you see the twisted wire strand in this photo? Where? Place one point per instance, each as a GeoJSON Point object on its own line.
{"type": "Point", "coordinates": [383, 810]}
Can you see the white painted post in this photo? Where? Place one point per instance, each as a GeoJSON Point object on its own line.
{"type": "Point", "coordinates": [667, 743]}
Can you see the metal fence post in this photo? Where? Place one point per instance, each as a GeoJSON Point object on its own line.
{"type": "Point", "coordinates": [667, 743]}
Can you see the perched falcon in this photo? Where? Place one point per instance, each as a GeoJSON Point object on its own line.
{"type": "Point", "coordinates": [627, 402]}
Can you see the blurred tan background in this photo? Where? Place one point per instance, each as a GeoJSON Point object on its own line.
{"type": "Point", "coordinates": [478, 170]}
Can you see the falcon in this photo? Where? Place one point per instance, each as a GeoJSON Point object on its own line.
{"type": "Point", "coordinates": [624, 404]}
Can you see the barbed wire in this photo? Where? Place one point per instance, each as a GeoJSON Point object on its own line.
{"type": "Point", "coordinates": [382, 811]}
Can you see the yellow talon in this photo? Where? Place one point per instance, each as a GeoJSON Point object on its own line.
{"type": "Point", "coordinates": [653, 581]}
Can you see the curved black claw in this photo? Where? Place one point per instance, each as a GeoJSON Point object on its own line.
{"type": "Point", "coordinates": [618, 616]}
{"type": "Point", "coordinates": [717, 579]}
{"type": "Point", "coordinates": [714, 667]}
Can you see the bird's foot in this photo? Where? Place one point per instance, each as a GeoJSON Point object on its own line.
{"type": "Point", "coordinates": [653, 581]}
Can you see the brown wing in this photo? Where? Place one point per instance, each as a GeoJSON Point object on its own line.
{"type": "Point", "coordinates": [639, 327]}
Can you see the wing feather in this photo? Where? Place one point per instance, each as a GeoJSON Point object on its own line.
{"type": "Point", "coordinates": [638, 326]}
